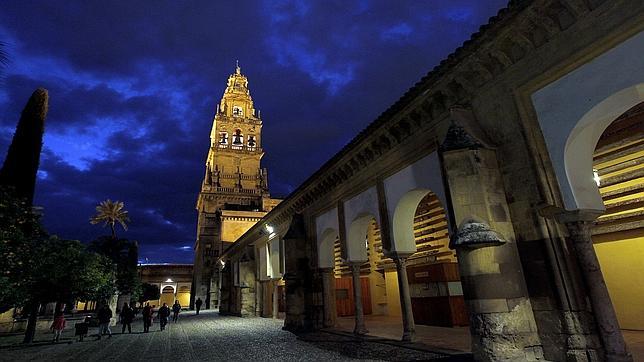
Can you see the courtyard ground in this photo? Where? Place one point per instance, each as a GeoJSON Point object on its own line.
{"type": "Point", "coordinates": [455, 339]}
{"type": "Point", "coordinates": [209, 337]}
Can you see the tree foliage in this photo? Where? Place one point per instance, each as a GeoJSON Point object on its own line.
{"type": "Point", "coordinates": [149, 292]}
{"type": "Point", "coordinates": [123, 254]}
{"type": "Point", "coordinates": [38, 268]}
{"type": "Point", "coordinates": [109, 213]}
{"type": "Point", "coordinates": [20, 232]}
{"type": "Point", "coordinates": [21, 164]}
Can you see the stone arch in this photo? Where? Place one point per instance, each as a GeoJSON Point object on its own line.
{"type": "Point", "coordinates": [326, 254]}
{"type": "Point", "coordinates": [326, 229]}
{"type": "Point", "coordinates": [173, 287]}
{"type": "Point", "coordinates": [404, 191]}
{"type": "Point", "coordinates": [582, 140]}
{"type": "Point", "coordinates": [356, 238]}
{"type": "Point", "coordinates": [403, 220]}
{"type": "Point", "coordinates": [358, 213]}
{"type": "Point", "coordinates": [573, 111]}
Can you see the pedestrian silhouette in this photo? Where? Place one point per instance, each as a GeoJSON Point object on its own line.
{"type": "Point", "coordinates": [176, 308]}
{"type": "Point", "coordinates": [104, 319]}
{"type": "Point", "coordinates": [82, 328]}
{"type": "Point", "coordinates": [147, 318]}
{"type": "Point", "coordinates": [58, 325]}
{"type": "Point", "coordinates": [164, 313]}
{"type": "Point", "coordinates": [198, 304]}
{"type": "Point", "coordinates": [127, 316]}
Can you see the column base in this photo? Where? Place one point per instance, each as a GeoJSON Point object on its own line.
{"type": "Point", "coordinates": [360, 331]}
{"type": "Point", "coordinates": [409, 336]}
{"type": "Point", "coordinates": [619, 357]}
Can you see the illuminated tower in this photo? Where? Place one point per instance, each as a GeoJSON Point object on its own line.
{"type": "Point", "coordinates": [234, 193]}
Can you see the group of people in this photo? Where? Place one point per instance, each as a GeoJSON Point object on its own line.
{"type": "Point", "coordinates": [127, 315]}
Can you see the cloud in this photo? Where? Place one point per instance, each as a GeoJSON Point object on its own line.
{"type": "Point", "coordinates": [133, 89]}
{"type": "Point", "coordinates": [396, 32]}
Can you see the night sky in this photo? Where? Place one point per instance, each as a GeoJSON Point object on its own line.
{"type": "Point", "coordinates": [133, 86]}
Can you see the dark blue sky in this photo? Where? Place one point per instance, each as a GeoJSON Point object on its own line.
{"type": "Point", "coordinates": [133, 86]}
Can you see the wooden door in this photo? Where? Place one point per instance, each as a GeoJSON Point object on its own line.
{"type": "Point", "coordinates": [345, 304]}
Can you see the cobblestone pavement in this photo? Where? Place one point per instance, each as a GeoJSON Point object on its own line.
{"type": "Point", "coordinates": [207, 337]}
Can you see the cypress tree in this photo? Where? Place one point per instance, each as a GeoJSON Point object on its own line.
{"type": "Point", "coordinates": [21, 165]}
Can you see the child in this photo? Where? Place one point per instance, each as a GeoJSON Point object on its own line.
{"type": "Point", "coordinates": [82, 328]}
{"type": "Point", "coordinates": [59, 324]}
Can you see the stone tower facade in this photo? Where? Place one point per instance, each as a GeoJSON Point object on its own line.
{"type": "Point", "coordinates": [234, 192]}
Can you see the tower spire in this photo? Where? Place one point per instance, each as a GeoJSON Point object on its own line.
{"type": "Point", "coordinates": [237, 68]}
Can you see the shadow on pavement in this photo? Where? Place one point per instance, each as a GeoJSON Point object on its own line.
{"type": "Point", "coordinates": [379, 348]}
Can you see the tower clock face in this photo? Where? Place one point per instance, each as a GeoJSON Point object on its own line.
{"type": "Point", "coordinates": [237, 111]}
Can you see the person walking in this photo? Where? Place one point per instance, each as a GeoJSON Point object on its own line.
{"type": "Point", "coordinates": [198, 304]}
{"type": "Point", "coordinates": [58, 325]}
{"type": "Point", "coordinates": [82, 328]}
{"type": "Point", "coordinates": [147, 318]}
{"type": "Point", "coordinates": [127, 316]}
{"type": "Point", "coordinates": [104, 319]}
{"type": "Point", "coordinates": [176, 308]}
{"type": "Point", "coordinates": [164, 313]}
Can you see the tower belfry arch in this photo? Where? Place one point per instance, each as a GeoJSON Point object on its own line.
{"type": "Point", "coordinates": [234, 192]}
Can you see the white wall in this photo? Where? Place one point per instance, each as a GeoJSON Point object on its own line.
{"type": "Point", "coordinates": [595, 93]}
{"type": "Point", "coordinates": [404, 190]}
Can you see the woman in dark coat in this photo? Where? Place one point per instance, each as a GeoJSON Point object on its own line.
{"type": "Point", "coordinates": [127, 316]}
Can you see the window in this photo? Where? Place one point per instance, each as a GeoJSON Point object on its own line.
{"type": "Point", "coordinates": [238, 139]}
{"type": "Point", "coordinates": [237, 111]}
{"type": "Point", "coordinates": [223, 139]}
{"type": "Point", "coordinates": [252, 142]}
{"type": "Point", "coordinates": [236, 273]}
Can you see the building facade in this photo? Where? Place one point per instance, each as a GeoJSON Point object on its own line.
{"type": "Point", "coordinates": [518, 158]}
{"type": "Point", "coordinates": [234, 192]}
{"type": "Point", "coordinates": [174, 282]}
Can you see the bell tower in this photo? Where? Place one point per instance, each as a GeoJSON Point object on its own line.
{"type": "Point", "coordinates": [234, 192]}
{"type": "Point", "coordinates": [233, 165]}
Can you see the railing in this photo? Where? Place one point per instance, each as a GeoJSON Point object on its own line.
{"type": "Point", "coordinates": [233, 190]}
{"type": "Point", "coordinates": [242, 148]}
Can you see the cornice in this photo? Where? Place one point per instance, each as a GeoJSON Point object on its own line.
{"type": "Point", "coordinates": [509, 37]}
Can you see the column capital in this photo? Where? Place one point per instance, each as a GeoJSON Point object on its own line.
{"type": "Point", "coordinates": [356, 263]}
{"type": "Point", "coordinates": [569, 216]}
{"type": "Point", "coordinates": [397, 255]}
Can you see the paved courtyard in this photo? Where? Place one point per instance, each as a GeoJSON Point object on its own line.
{"type": "Point", "coordinates": [208, 337]}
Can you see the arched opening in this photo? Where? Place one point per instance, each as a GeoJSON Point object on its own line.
{"type": "Point", "coordinates": [326, 248]}
{"type": "Point", "coordinates": [238, 139]}
{"type": "Point", "coordinates": [420, 223]}
{"type": "Point", "coordinates": [167, 295]}
{"type": "Point", "coordinates": [183, 296]}
{"type": "Point", "coordinates": [581, 142]}
{"type": "Point", "coordinates": [618, 235]}
{"type": "Point", "coordinates": [363, 239]}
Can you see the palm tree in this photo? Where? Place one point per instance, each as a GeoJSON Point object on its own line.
{"type": "Point", "coordinates": [110, 212]}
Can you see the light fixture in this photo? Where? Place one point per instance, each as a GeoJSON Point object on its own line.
{"type": "Point", "coordinates": [596, 178]}
{"type": "Point", "coordinates": [222, 262]}
{"type": "Point", "coordinates": [169, 281]}
{"type": "Point", "coordinates": [270, 229]}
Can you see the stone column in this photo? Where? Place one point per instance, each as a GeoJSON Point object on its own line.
{"type": "Point", "coordinates": [357, 296]}
{"type": "Point", "coordinates": [579, 228]}
{"type": "Point", "coordinates": [328, 293]}
{"type": "Point", "coordinates": [409, 327]}
{"type": "Point", "coordinates": [502, 321]}
{"type": "Point", "coordinates": [275, 299]}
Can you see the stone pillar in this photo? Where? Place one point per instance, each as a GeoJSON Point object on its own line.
{"type": "Point", "coordinates": [409, 327]}
{"type": "Point", "coordinates": [276, 297]}
{"type": "Point", "coordinates": [357, 299]}
{"type": "Point", "coordinates": [579, 228]}
{"type": "Point", "coordinates": [328, 292]}
{"type": "Point", "coordinates": [502, 322]}
{"type": "Point", "coordinates": [298, 277]}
